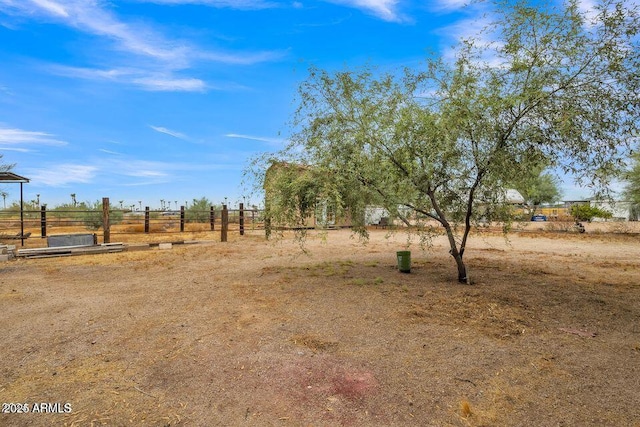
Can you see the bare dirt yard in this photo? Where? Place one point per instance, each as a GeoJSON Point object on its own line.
{"type": "Point", "coordinates": [254, 333]}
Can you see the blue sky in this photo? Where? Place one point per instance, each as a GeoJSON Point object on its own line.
{"type": "Point", "coordinates": [143, 100]}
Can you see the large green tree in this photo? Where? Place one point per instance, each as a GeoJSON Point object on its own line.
{"type": "Point", "coordinates": [538, 187]}
{"type": "Point", "coordinates": [553, 88]}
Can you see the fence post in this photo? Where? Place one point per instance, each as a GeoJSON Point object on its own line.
{"type": "Point", "coordinates": [241, 219]}
{"type": "Point", "coordinates": [182, 219]}
{"type": "Point", "coordinates": [43, 221]}
{"type": "Point", "coordinates": [212, 218]}
{"type": "Point", "coordinates": [146, 219]}
{"type": "Point", "coordinates": [225, 224]}
{"type": "Point", "coordinates": [106, 226]}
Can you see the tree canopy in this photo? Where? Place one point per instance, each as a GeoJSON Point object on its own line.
{"type": "Point", "coordinates": [554, 87]}
{"type": "Point", "coordinates": [538, 187]}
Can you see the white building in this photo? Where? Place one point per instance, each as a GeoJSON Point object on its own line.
{"type": "Point", "coordinates": [372, 214]}
{"type": "Point", "coordinates": [620, 210]}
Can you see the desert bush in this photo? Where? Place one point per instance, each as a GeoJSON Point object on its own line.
{"type": "Point", "coordinates": [92, 216]}
{"type": "Point", "coordinates": [199, 210]}
{"type": "Point", "coordinates": [588, 212]}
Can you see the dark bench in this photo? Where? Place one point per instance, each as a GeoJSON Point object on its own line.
{"type": "Point", "coordinates": [383, 222]}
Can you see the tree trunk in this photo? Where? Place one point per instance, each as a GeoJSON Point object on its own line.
{"type": "Point", "coordinates": [456, 253]}
{"type": "Point", "coordinates": [463, 277]}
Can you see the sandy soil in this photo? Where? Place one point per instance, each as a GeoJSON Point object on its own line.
{"type": "Point", "coordinates": [255, 333]}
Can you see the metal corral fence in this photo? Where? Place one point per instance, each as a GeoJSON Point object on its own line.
{"type": "Point", "coordinates": [114, 222]}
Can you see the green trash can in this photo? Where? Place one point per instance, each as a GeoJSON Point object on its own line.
{"type": "Point", "coordinates": [404, 261]}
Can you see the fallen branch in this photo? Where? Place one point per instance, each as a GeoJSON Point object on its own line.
{"type": "Point", "coordinates": [464, 380]}
{"type": "Point", "coordinates": [144, 392]}
{"type": "Point", "coordinates": [579, 332]}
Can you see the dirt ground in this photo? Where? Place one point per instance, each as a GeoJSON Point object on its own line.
{"type": "Point", "coordinates": [256, 333]}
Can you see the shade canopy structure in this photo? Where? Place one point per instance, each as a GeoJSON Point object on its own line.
{"type": "Point", "coordinates": [12, 178]}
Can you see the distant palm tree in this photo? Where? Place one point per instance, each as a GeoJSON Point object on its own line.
{"type": "Point", "coordinates": [4, 195]}
{"type": "Point", "coordinates": [121, 202]}
{"type": "Point", "coordinates": [73, 200]}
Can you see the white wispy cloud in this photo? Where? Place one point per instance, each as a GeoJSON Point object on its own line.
{"type": "Point", "coordinates": [450, 5]}
{"type": "Point", "coordinates": [60, 175]}
{"type": "Point", "coordinates": [591, 9]}
{"type": "Point", "coordinates": [147, 173]}
{"type": "Point", "coordinates": [115, 153]}
{"type": "Point", "coordinates": [52, 7]}
{"type": "Point", "coordinates": [333, 22]}
{"type": "Point", "coordinates": [588, 7]}
{"type": "Point", "coordinates": [169, 84]}
{"type": "Point", "coordinates": [140, 39]}
{"type": "Point", "coordinates": [469, 28]}
{"type": "Point", "coordinates": [271, 141]}
{"type": "Point", "coordinates": [144, 183]}
{"type": "Point", "coordinates": [386, 10]}
{"type": "Point", "coordinates": [142, 168]}
{"type": "Point", "coordinates": [474, 16]}
{"type": "Point", "coordinates": [476, 25]}
{"type": "Point", "coordinates": [12, 136]}
{"type": "Point", "coordinates": [152, 171]}
{"type": "Point", "coordinates": [169, 132]}
{"type": "Point", "coordinates": [114, 74]}
{"type": "Point", "coordinates": [91, 17]}
{"type": "Point", "coordinates": [20, 150]}
{"type": "Point", "coordinates": [245, 58]}
{"type": "Point", "coordinates": [231, 4]}
{"type": "Point", "coordinates": [143, 79]}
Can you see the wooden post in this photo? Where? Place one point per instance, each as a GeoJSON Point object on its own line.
{"type": "Point", "coordinates": [212, 218]}
{"type": "Point", "coordinates": [43, 221]}
{"type": "Point", "coordinates": [106, 226]}
{"type": "Point", "coordinates": [241, 219]}
{"type": "Point", "coordinates": [182, 219]}
{"type": "Point", "coordinates": [146, 219]}
{"type": "Point", "coordinates": [225, 224]}
{"type": "Point", "coordinates": [21, 215]}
